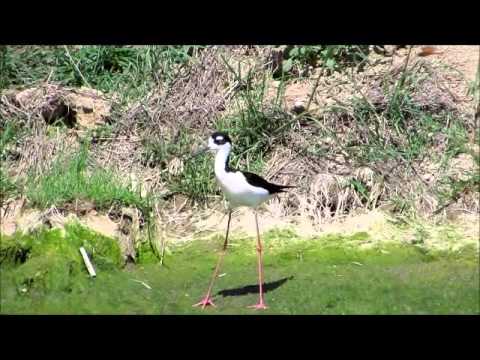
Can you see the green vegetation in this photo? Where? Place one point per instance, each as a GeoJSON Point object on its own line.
{"type": "Point", "coordinates": [107, 68]}
{"type": "Point", "coordinates": [7, 187]}
{"type": "Point", "coordinates": [69, 179]}
{"type": "Point", "coordinates": [191, 177]}
{"type": "Point", "coordinates": [392, 129]}
{"type": "Point", "coordinates": [406, 121]}
{"type": "Point", "coordinates": [256, 125]}
{"type": "Point", "coordinates": [8, 135]}
{"type": "Point", "coordinates": [11, 133]}
{"type": "Point", "coordinates": [47, 262]}
{"type": "Point", "coordinates": [450, 190]}
{"type": "Point", "coordinates": [397, 126]}
{"type": "Point", "coordinates": [324, 275]}
{"type": "Point", "coordinates": [330, 57]}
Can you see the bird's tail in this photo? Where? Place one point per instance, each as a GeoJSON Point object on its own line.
{"type": "Point", "coordinates": [281, 188]}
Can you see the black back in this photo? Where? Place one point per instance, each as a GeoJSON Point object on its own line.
{"type": "Point", "coordinates": [255, 180]}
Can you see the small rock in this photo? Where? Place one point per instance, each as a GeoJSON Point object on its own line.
{"type": "Point", "coordinates": [9, 213]}
{"type": "Point", "coordinates": [28, 96]}
{"type": "Point", "coordinates": [89, 107]}
{"type": "Point", "coordinates": [85, 107]}
{"type": "Point", "coordinates": [102, 224]}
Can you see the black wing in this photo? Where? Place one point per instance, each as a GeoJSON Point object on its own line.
{"type": "Point", "coordinates": [255, 180]}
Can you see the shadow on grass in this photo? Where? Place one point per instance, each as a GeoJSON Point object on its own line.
{"type": "Point", "coordinates": [253, 289]}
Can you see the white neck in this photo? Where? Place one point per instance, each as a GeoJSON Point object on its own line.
{"type": "Point", "coordinates": [221, 159]}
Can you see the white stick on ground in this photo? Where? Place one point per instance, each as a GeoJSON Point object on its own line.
{"type": "Point", "coordinates": [144, 284]}
{"type": "Point", "coordinates": [87, 262]}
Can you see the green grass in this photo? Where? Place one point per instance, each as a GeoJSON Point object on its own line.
{"type": "Point", "coordinates": [330, 57]}
{"type": "Point", "coordinates": [69, 179]}
{"type": "Point", "coordinates": [404, 128]}
{"type": "Point", "coordinates": [8, 188]}
{"type": "Point", "coordinates": [400, 127]}
{"type": "Point", "coordinates": [256, 125]}
{"type": "Point", "coordinates": [128, 71]}
{"type": "Point", "coordinates": [10, 134]}
{"type": "Point", "coordinates": [195, 178]}
{"type": "Point", "coordinates": [325, 275]}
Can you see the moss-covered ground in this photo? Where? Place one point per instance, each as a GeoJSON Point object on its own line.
{"type": "Point", "coordinates": [43, 273]}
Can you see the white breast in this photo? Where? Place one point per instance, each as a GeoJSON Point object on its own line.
{"type": "Point", "coordinates": [239, 192]}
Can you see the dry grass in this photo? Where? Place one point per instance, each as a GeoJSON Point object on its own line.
{"type": "Point", "coordinates": [188, 105]}
{"type": "Point", "coordinates": [331, 182]}
{"type": "Point", "coordinates": [32, 110]}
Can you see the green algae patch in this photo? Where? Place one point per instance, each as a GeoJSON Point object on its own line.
{"type": "Point", "coordinates": [145, 254]}
{"type": "Point", "coordinates": [322, 275]}
{"type": "Point", "coordinates": [49, 260]}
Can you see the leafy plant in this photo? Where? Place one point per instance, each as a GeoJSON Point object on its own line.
{"type": "Point", "coordinates": [297, 59]}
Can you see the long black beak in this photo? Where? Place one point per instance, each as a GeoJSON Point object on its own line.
{"type": "Point", "coordinates": [200, 151]}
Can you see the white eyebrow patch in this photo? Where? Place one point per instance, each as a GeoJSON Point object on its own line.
{"type": "Point", "coordinates": [219, 138]}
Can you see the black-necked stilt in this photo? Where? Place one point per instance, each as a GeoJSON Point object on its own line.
{"type": "Point", "coordinates": [241, 188]}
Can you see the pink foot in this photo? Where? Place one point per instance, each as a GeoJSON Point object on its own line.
{"type": "Point", "coordinates": [260, 306]}
{"type": "Point", "coordinates": [207, 300]}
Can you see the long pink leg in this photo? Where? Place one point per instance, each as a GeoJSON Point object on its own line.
{"type": "Point", "coordinates": [261, 303]}
{"type": "Point", "coordinates": [207, 300]}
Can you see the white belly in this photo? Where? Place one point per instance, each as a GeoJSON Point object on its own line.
{"type": "Point", "coordinates": [240, 193]}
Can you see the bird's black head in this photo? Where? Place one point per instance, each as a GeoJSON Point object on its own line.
{"type": "Point", "coordinates": [220, 138]}
{"type": "Point", "coordinates": [216, 142]}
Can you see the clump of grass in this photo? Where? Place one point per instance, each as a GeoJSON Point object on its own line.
{"type": "Point", "coordinates": [8, 187]}
{"type": "Point", "coordinates": [181, 173]}
{"type": "Point", "coordinates": [26, 65]}
{"type": "Point", "coordinates": [69, 179]}
{"type": "Point", "coordinates": [159, 151]}
{"type": "Point", "coordinates": [255, 125]}
{"type": "Point", "coordinates": [9, 136]}
{"type": "Point", "coordinates": [130, 71]}
{"type": "Point", "coordinates": [3, 67]}
{"type": "Point", "coordinates": [397, 121]}
{"type": "Point", "coordinates": [197, 180]}
{"type": "Point", "coordinates": [450, 190]}
{"type": "Point", "coordinates": [400, 123]}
